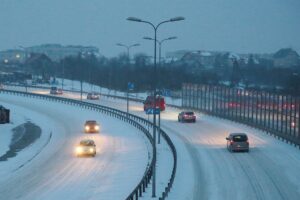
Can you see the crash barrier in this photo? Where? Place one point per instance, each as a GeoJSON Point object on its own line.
{"type": "Point", "coordinates": [276, 114]}
{"type": "Point", "coordinates": [136, 192]}
{"type": "Point", "coordinates": [4, 115]}
{"type": "Point", "coordinates": [138, 122]}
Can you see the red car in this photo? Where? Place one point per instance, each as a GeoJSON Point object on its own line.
{"type": "Point", "coordinates": [187, 117]}
{"type": "Point", "coordinates": [160, 103]}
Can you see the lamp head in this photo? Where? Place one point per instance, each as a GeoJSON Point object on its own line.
{"type": "Point", "coordinates": [134, 19]}
{"type": "Point", "coordinates": [177, 19]}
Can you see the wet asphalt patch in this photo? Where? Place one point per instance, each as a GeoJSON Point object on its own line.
{"type": "Point", "coordinates": [23, 136]}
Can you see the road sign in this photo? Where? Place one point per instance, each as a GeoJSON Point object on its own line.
{"type": "Point", "coordinates": [130, 86]}
{"type": "Point", "coordinates": [167, 93]}
{"type": "Point", "coordinates": [151, 111]}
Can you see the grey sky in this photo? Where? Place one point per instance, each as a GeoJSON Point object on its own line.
{"type": "Point", "coordinates": [234, 25]}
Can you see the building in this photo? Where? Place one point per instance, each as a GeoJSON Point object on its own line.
{"type": "Point", "coordinates": [56, 52]}
{"type": "Point", "coordinates": [286, 58]}
{"type": "Point", "coordinates": [12, 56]}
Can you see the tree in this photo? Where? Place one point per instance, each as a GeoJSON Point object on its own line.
{"type": "Point", "coordinates": [236, 75]}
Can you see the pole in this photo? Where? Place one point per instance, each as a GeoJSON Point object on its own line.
{"type": "Point", "coordinates": [127, 100]}
{"type": "Point", "coordinates": [81, 90]}
{"type": "Point", "coordinates": [154, 118]}
{"type": "Point", "coordinates": [63, 75]}
{"type": "Point", "coordinates": [159, 128]}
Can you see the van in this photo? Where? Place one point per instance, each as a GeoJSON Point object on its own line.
{"type": "Point", "coordinates": [160, 103]}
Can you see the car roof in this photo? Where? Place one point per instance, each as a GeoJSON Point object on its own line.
{"type": "Point", "coordinates": [90, 121]}
{"type": "Point", "coordinates": [235, 134]}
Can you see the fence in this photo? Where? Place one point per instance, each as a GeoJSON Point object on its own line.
{"type": "Point", "coordinates": [274, 113]}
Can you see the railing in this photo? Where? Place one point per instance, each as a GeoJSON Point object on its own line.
{"type": "Point", "coordinates": [138, 122]}
{"type": "Point", "coordinates": [274, 113]}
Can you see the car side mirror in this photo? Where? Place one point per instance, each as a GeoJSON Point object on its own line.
{"type": "Point", "coordinates": [227, 138]}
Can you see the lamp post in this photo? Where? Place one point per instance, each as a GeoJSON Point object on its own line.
{"type": "Point", "coordinates": [160, 42]}
{"type": "Point", "coordinates": [155, 28]}
{"type": "Point", "coordinates": [128, 47]}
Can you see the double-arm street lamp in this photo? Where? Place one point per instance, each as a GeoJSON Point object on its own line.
{"type": "Point", "coordinates": [128, 47]}
{"type": "Point", "coordinates": [160, 42]}
{"type": "Point", "coordinates": [155, 27]}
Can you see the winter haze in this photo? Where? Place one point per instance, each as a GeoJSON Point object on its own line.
{"type": "Point", "coordinates": [233, 25]}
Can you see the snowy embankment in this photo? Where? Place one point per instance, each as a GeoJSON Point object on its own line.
{"type": "Point", "coordinates": [55, 173]}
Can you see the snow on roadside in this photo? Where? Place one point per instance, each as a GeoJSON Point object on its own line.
{"type": "Point", "coordinates": [20, 115]}
{"type": "Point", "coordinates": [123, 155]}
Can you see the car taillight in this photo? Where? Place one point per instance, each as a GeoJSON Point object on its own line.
{"type": "Point", "coordinates": [231, 142]}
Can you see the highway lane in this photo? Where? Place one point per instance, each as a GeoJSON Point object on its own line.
{"type": "Point", "coordinates": [270, 171]}
{"type": "Point", "coordinates": [57, 174]}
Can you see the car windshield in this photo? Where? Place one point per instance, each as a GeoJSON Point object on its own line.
{"type": "Point", "coordinates": [189, 113]}
{"type": "Point", "coordinates": [86, 143]}
{"type": "Point", "coordinates": [91, 122]}
{"type": "Point", "coordinates": [240, 138]}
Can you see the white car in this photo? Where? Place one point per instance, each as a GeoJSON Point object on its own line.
{"type": "Point", "coordinates": [86, 147]}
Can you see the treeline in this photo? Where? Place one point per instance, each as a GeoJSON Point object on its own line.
{"type": "Point", "coordinates": [116, 72]}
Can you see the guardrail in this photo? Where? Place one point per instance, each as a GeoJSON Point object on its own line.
{"type": "Point", "coordinates": [129, 118]}
{"type": "Point", "coordinates": [138, 189]}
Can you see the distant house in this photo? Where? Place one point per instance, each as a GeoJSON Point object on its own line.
{"type": "Point", "coordinates": [285, 58]}
{"type": "Point", "coordinates": [12, 56]}
{"type": "Point", "coordinates": [203, 59]}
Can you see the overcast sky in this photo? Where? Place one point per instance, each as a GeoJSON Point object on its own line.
{"type": "Point", "coordinates": [240, 26]}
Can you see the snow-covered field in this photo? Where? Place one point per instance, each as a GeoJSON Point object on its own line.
{"type": "Point", "coordinates": [55, 172]}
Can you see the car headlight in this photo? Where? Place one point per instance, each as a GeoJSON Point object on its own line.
{"type": "Point", "coordinates": [87, 128]}
{"type": "Point", "coordinates": [91, 150]}
{"type": "Point", "coordinates": [79, 150]}
{"type": "Point", "coordinates": [97, 127]}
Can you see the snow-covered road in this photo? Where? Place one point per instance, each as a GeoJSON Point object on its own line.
{"type": "Point", "coordinates": [55, 173]}
{"type": "Point", "coordinates": [206, 170]}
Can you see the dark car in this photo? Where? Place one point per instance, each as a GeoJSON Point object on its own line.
{"type": "Point", "coordinates": [237, 142]}
{"type": "Point", "coordinates": [93, 96]}
{"type": "Point", "coordinates": [55, 90]}
{"type": "Point", "coordinates": [91, 126]}
{"type": "Point", "coordinates": [159, 103]}
{"type": "Point", "coordinates": [86, 147]}
{"type": "Point", "coordinates": [187, 116]}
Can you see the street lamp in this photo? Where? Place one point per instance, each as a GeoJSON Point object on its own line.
{"type": "Point", "coordinates": [155, 27]}
{"type": "Point", "coordinates": [128, 47]}
{"type": "Point", "coordinates": [159, 61]}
